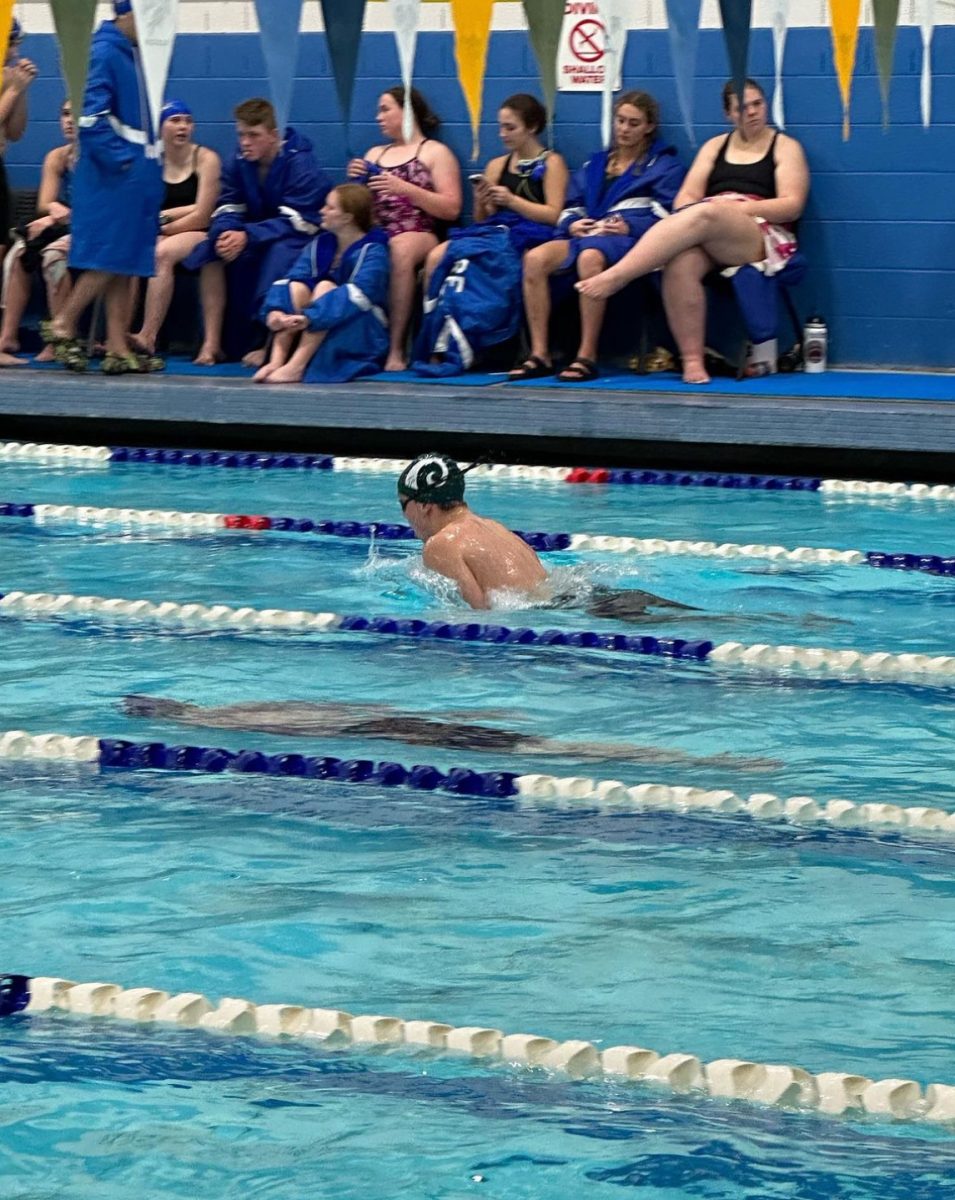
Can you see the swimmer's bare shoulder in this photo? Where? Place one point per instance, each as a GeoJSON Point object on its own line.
{"type": "Point", "coordinates": [444, 552]}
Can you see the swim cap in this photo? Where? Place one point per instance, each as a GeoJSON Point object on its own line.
{"type": "Point", "coordinates": [121, 7]}
{"type": "Point", "coordinates": [432, 479]}
{"type": "Point", "coordinates": [174, 108]}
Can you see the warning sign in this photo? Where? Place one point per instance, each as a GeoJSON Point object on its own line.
{"type": "Point", "coordinates": [581, 59]}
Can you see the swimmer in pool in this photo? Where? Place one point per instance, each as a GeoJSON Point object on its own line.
{"type": "Point", "coordinates": [446, 731]}
{"type": "Point", "coordinates": [483, 556]}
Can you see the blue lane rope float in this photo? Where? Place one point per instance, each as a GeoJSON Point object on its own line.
{"type": "Point", "coordinates": [777, 1084]}
{"type": "Point", "coordinates": [813, 661]}
{"type": "Point", "coordinates": [104, 455]}
{"type": "Point", "coordinates": [196, 522]}
{"type": "Point", "coordinates": [604, 795]}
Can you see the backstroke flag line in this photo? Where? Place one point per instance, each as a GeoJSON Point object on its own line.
{"type": "Point", "coordinates": [73, 21]}
{"type": "Point", "coordinates": [615, 40]}
{"type": "Point", "coordinates": [405, 14]}
{"type": "Point", "coordinates": [343, 21]}
{"type": "Point", "coordinates": [544, 21]}
{"type": "Point", "coordinates": [279, 24]}
{"type": "Point", "coordinates": [683, 25]}
{"type": "Point", "coordinates": [735, 15]}
{"type": "Point", "coordinates": [885, 16]}
{"type": "Point", "coordinates": [780, 26]}
{"type": "Point", "coordinates": [844, 15]}
{"type": "Point", "coordinates": [926, 11]}
{"type": "Point", "coordinates": [472, 28]}
{"type": "Point", "coordinates": [156, 23]}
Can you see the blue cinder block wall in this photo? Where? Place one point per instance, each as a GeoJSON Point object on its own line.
{"type": "Point", "coordinates": [879, 230]}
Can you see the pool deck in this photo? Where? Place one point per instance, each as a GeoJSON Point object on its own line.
{"type": "Point", "coordinates": [792, 434]}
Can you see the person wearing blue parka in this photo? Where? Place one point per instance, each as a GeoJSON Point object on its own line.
{"type": "Point", "coordinates": [117, 191]}
{"type": "Point", "coordinates": [269, 209]}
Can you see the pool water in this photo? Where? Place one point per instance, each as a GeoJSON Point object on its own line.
{"type": "Point", "coordinates": [824, 948]}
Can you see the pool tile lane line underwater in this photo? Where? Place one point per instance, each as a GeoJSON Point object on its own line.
{"type": "Point", "coordinates": [778, 1084]}
{"type": "Point", "coordinates": [104, 455]}
{"type": "Point", "coordinates": [570, 791]}
{"type": "Point", "coordinates": [202, 523]}
{"type": "Point", "coordinates": [809, 661]}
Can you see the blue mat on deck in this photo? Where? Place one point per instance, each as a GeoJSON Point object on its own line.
{"type": "Point", "coordinates": [469, 379]}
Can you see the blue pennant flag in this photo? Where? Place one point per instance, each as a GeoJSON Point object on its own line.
{"type": "Point", "coordinates": [735, 15]}
{"type": "Point", "coordinates": [683, 21]}
{"type": "Point", "coordinates": [279, 23]}
{"type": "Point", "coordinates": [343, 21]}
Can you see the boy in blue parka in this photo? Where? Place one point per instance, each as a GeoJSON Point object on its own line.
{"type": "Point", "coordinates": [272, 193]}
{"type": "Point", "coordinates": [334, 296]}
{"type": "Point", "coordinates": [117, 191]}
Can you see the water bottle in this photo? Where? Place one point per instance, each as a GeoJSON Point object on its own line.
{"type": "Point", "coordinates": [815, 344]}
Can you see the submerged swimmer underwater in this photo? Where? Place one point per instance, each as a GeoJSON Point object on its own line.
{"type": "Point", "coordinates": [449, 730]}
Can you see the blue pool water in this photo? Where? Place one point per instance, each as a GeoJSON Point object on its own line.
{"type": "Point", "coordinates": [829, 949]}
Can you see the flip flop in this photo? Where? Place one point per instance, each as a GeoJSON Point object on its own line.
{"type": "Point", "coordinates": [533, 367]}
{"type": "Point", "coordinates": [581, 370]}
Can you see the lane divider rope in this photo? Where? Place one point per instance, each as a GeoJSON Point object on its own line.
{"type": "Point", "coordinates": [815, 662]}
{"type": "Point", "coordinates": [776, 1084]}
{"type": "Point", "coordinates": [41, 452]}
{"type": "Point", "coordinates": [196, 522]}
{"type": "Point", "coordinates": [606, 795]}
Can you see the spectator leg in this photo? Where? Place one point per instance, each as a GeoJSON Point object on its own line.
{"type": "Point", "coordinates": [539, 264]}
{"type": "Point", "coordinates": [212, 297]}
{"type": "Point", "coordinates": [685, 301]}
{"type": "Point", "coordinates": [16, 296]}
{"type": "Point", "coordinates": [590, 263]}
{"type": "Point", "coordinates": [118, 314]}
{"type": "Point", "coordinates": [294, 370]}
{"type": "Point", "coordinates": [89, 287]}
{"type": "Point", "coordinates": [408, 252]}
{"type": "Point", "coordinates": [284, 339]}
{"type": "Point", "coordinates": [170, 251]}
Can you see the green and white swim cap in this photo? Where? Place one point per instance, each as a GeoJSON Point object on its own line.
{"type": "Point", "coordinates": [432, 479]}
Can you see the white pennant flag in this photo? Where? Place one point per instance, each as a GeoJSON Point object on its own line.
{"type": "Point", "coordinates": [780, 24]}
{"type": "Point", "coordinates": [927, 22]}
{"type": "Point", "coordinates": [156, 24]}
{"type": "Point", "coordinates": [615, 40]}
{"type": "Point", "coordinates": [404, 14]}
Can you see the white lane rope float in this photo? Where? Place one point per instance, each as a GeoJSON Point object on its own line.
{"type": "Point", "coordinates": [104, 455]}
{"type": "Point", "coordinates": [777, 1084]}
{"type": "Point", "coordinates": [814, 662]}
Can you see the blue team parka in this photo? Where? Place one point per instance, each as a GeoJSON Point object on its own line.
{"type": "Point", "coordinates": [353, 314]}
{"type": "Point", "coordinates": [117, 183]}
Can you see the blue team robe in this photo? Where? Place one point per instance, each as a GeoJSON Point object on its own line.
{"type": "Point", "coordinates": [356, 343]}
{"type": "Point", "coordinates": [117, 182]}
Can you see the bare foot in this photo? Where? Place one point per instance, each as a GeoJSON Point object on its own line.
{"type": "Point", "coordinates": [9, 347]}
{"type": "Point", "coordinates": [208, 356]}
{"type": "Point", "coordinates": [263, 373]}
{"type": "Point", "coordinates": [45, 355]}
{"type": "Point", "coordinates": [10, 360]}
{"type": "Point", "coordinates": [255, 358]}
{"type": "Point", "coordinates": [287, 374]}
{"type": "Point", "coordinates": [141, 344]}
{"type": "Point", "coordinates": [694, 371]}
{"type": "Point", "coordinates": [396, 362]}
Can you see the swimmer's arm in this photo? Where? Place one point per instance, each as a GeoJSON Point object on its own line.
{"type": "Point", "coordinates": [446, 558]}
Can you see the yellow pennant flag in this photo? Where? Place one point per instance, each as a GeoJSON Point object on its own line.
{"type": "Point", "coordinates": [844, 16]}
{"type": "Point", "coordinates": [472, 27]}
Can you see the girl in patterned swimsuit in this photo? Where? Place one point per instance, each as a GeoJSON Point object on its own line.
{"type": "Point", "coordinates": [416, 182]}
{"type": "Point", "coordinates": [736, 205]}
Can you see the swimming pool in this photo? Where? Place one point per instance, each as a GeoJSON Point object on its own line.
{"type": "Point", "coordinates": [718, 936]}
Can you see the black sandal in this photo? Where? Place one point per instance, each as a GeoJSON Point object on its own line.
{"type": "Point", "coordinates": [533, 367]}
{"type": "Point", "coordinates": [581, 370]}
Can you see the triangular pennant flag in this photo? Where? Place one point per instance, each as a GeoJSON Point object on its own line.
{"type": "Point", "coordinates": [343, 21]}
{"type": "Point", "coordinates": [683, 22]}
{"type": "Point", "coordinates": [6, 20]}
{"type": "Point", "coordinates": [926, 10]}
{"type": "Point", "coordinates": [780, 26]}
{"type": "Point", "coordinates": [279, 24]}
{"type": "Point", "coordinates": [73, 21]}
{"type": "Point", "coordinates": [844, 15]}
{"type": "Point", "coordinates": [544, 21]}
{"type": "Point", "coordinates": [615, 39]}
{"type": "Point", "coordinates": [472, 27]}
{"type": "Point", "coordinates": [156, 24]}
{"type": "Point", "coordinates": [886, 16]}
{"type": "Point", "coordinates": [735, 15]}
{"type": "Point", "coordinates": [405, 15]}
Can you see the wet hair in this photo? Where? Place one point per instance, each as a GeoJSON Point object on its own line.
{"type": "Point", "coordinates": [529, 109]}
{"type": "Point", "coordinates": [256, 111]}
{"type": "Point", "coordinates": [428, 120]}
{"type": "Point", "coordinates": [642, 101]}
{"type": "Point", "coordinates": [729, 91]}
{"type": "Point", "coordinates": [356, 200]}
